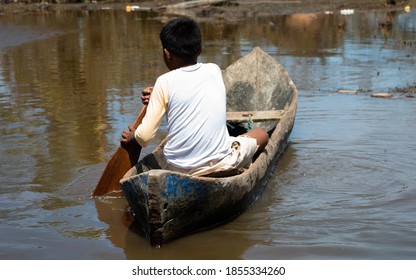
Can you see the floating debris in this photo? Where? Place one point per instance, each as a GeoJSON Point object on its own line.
{"type": "Point", "coordinates": [347, 91]}
{"type": "Point", "coordinates": [132, 8]}
{"type": "Point", "coordinates": [407, 9]}
{"type": "Point", "coordinates": [409, 43]}
{"type": "Point", "coordinates": [382, 95]}
{"type": "Point", "coordinates": [347, 12]}
{"type": "Point", "coordinates": [408, 91]}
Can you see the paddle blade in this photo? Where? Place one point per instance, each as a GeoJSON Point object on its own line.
{"type": "Point", "coordinates": [121, 161]}
{"type": "Point", "coordinates": [124, 158]}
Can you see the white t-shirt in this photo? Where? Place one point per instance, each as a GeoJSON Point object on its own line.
{"type": "Point", "coordinates": [194, 100]}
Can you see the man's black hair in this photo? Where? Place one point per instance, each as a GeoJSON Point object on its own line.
{"type": "Point", "coordinates": [181, 37]}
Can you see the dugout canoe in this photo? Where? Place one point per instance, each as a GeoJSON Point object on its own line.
{"type": "Point", "coordinates": [167, 205]}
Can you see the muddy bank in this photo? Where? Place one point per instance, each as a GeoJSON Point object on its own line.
{"type": "Point", "coordinates": [235, 10]}
{"type": "Point", "coordinates": [223, 10]}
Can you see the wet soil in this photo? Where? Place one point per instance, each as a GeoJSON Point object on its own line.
{"type": "Point", "coordinates": [224, 10]}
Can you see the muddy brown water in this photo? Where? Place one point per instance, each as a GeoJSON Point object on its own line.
{"type": "Point", "coordinates": [343, 189]}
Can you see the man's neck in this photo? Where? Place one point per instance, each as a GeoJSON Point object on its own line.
{"type": "Point", "coordinates": [178, 62]}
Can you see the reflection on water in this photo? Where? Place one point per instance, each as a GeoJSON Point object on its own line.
{"type": "Point", "coordinates": [344, 188]}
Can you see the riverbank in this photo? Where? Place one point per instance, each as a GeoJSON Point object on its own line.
{"type": "Point", "coordinates": [211, 9]}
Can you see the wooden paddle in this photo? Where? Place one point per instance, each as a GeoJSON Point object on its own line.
{"type": "Point", "coordinates": [124, 158]}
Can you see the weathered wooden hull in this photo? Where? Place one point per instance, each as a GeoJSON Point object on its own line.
{"type": "Point", "coordinates": [168, 205]}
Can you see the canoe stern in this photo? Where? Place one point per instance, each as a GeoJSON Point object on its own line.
{"type": "Point", "coordinates": [174, 204]}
